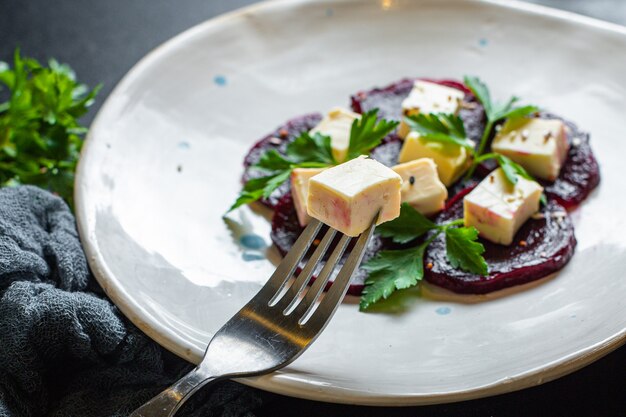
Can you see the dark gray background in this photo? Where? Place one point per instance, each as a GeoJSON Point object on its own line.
{"type": "Point", "coordinates": [102, 40]}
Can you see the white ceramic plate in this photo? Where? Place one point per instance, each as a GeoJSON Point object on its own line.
{"type": "Point", "coordinates": [163, 160]}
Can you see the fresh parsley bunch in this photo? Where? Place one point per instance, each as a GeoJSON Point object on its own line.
{"type": "Point", "coordinates": [40, 134]}
{"type": "Point", "coordinates": [311, 151]}
{"type": "Point", "coordinates": [392, 270]}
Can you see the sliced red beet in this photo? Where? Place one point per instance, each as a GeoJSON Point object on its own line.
{"type": "Point", "coordinates": [580, 174]}
{"type": "Point", "coordinates": [388, 101]}
{"type": "Point", "coordinates": [285, 232]}
{"type": "Point", "coordinates": [388, 151]}
{"type": "Point", "coordinates": [278, 140]}
{"type": "Point", "coordinates": [541, 247]}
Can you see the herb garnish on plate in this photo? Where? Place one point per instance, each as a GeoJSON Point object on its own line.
{"type": "Point", "coordinates": [392, 270]}
{"type": "Point", "coordinates": [312, 151]}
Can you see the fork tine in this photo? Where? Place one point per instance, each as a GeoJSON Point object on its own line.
{"type": "Point", "coordinates": [338, 289]}
{"type": "Point", "coordinates": [288, 265]}
{"type": "Point", "coordinates": [320, 282]}
{"type": "Point", "coordinates": [291, 297]}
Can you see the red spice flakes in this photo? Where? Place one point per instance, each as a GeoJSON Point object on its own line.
{"type": "Point", "coordinates": [283, 133]}
{"type": "Point", "coordinates": [523, 243]}
{"type": "Point", "coordinates": [429, 265]}
{"type": "Point", "coordinates": [316, 242]}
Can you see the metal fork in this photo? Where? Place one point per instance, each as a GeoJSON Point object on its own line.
{"type": "Point", "coordinates": [277, 325]}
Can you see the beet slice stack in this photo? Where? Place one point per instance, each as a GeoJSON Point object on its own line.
{"type": "Point", "coordinates": [542, 246]}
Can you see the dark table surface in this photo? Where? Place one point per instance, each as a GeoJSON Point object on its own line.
{"type": "Point", "coordinates": [102, 40]}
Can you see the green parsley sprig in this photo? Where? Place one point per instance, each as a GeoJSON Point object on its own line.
{"type": "Point", "coordinates": [512, 170]}
{"type": "Point", "coordinates": [368, 132]}
{"type": "Point", "coordinates": [393, 270]}
{"type": "Point", "coordinates": [40, 132]}
{"type": "Point", "coordinates": [495, 111]}
{"type": "Point", "coordinates": [307, 151]}
{"type": "Point", "coordinates": [440, 127]}
{"type": "Point", "coordinates": [311, 151]}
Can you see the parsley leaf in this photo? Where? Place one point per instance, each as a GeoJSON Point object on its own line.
{"type": "Point", "coordinates": [410, 225]}
{"type": "Point", "coordinates": [440, 127]}
{"type": "Point", "coordinates": [463, 251]}
{"type": "Point", "coordinates": [367, 133]}
{"type": "Point", "coordinates": [40, 135]}
{"type": "Point", "coordinates": [311, 148]}
{"type": "Point", "coordinates": [510, 112]}
{"type": "Point", "coordinates": [511, 169]}
{"type": "Point", "coordinates": [494, 111]}
{"type": "Point", "coordinates": [392, 270]}
{"type": "Point", "coordinates": [273, 161]}
{"type": "Point", "coordinates": [481, 92]}
{"type": "Point", "coordinates": [257, 188]}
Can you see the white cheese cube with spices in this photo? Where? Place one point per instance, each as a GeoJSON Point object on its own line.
{"type": "Point", "coordinates": [421, 187]}
{"type": "Point", "coordinates": [498, 208]}
{"type": "Point", "coordinates": [451, 160]}
{"type": "Point", "coordinates": [349, 196]}
{"type": "Point", "coordinates": [427, 97]}
{"type": "Point", "coordinates": [337, 124]}
{"type": "Point", "coordinates": [300, 191]}
{"type": "Point", "coordinates": [539, 145]}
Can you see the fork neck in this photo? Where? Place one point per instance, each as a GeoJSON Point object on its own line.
{"type": "Point", "coordinates": [170, 400]}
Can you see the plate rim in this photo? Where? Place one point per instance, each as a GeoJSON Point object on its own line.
{"type": "Point", "coordinates": [297, 388]}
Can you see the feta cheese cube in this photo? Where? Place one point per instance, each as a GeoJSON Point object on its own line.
{"type": "Point", "coordinates": [347, 197]}
{"type": "Point", "coordinates": [337, 124]}
{"type": "Point", "coordinates": [451, 160]}
{"type": "Point", "coordinates": [300, 191]}
{"type": "Point", "coordinates": [539, 145]}
{"type": "Point", "coordinates": [498, 209]}
{"type": "Point", "coordinates": [421, 187]}
{"type": "Point", "coordinates": [426, 97]}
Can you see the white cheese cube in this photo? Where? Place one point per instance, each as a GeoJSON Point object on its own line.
{"type": "Point", "coordinates": [300, 191]}
{"type": "Point", "coordinates": [347, 197]}
{"type": "Point", "coordinates": [498, 209]}
{"type": "Point", "coordinates": [539, 145]}
{"type": "Point", "coordinates": [426, 97]}
{"type": "Point", "coordinates": [421, 187]}
{"type": "Point", "coordinates": [337, 124]}
{"type": "Point", "coordinates": [451, 160]}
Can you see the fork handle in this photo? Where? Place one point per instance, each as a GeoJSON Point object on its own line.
{"type": "Point", "coordinates": [169, 401]}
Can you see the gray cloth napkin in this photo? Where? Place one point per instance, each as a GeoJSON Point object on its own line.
{"type": "Point", "coordinates": [65, 350]}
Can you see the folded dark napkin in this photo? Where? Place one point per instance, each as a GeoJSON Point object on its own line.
{"type": "Point", "coordinates": [65, 349]}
